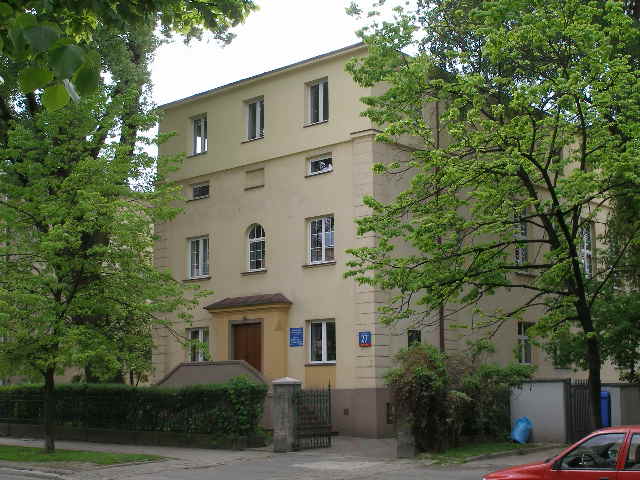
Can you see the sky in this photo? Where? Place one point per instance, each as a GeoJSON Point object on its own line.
{"type": "Point", "coordinates": [280, 33]}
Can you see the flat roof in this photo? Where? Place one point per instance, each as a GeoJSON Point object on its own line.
{"type": "Point", "coordinates": [264, 74]}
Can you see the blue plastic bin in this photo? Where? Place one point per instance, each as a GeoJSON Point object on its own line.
{"type": "Point", "coordinates": [605, 409]}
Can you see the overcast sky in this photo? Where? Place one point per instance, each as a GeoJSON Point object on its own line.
{"type": "Point", "coordinates": [280, 33]}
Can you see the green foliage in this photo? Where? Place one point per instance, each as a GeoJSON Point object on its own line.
{"type": "Point", "coordinates": [447, 398]}
{"type": "Point", "coordinates": [618, 322]}
{"type": "Point", "coordinates": [519, 113]}
{"type": "Point", "coordinates": [420, 387]}
{"type": "Point", "coordinates": [79, 198]}
{"type": "Point", "coordinates": [55, 37]}
{"type": "Point", "coordinates": [230, 410]}
{"type": "Point", "coordinates": [12, 453]}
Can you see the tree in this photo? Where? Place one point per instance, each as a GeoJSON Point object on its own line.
{"type": "Point", "coordinates": [78, 200]}
{"type": "Point", "coordinates": [535, 111]}
{"type": "Point", "coordinates": [54, 40]}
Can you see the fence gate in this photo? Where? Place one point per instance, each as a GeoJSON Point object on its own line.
{"type": "Point", "coordinates": [313, 419]}
{"type": "Point", "coordinates": [579, 410]}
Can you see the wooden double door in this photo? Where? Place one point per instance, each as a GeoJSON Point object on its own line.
{"type": "Point", "coordinates": [247, 344]}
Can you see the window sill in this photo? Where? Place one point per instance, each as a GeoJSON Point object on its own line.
{"type": "Point", "coordinates": [305, 125]}
{"type": "Point", "coordinates": [249, 140]}
{"type": "Point", "coordinates": [196, 279]}
{"type": "Point", "coordinates": [254, 272]}
{"type": "Point", "coordinates": [319, 264]}
{"type": "Point", "coordinates": [320, 364]}
{"type": "Point", "coordinates": [197, 154]}
{"type": "Point", "coordinates": [316, 174]}
{"type": "Point", "coordinates": [255, 187]}
{"type": "Point", "coordinates": [198, 198]}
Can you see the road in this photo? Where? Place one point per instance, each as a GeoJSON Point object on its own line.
{"type": "Point", "coordinates": [348, 459]}
{"type": "Point", "coordinates": [12, 474]}
{"type": "Point", "coordinates": [295, 466]}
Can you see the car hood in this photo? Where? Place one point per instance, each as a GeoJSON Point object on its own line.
{"type": "Point", "coordinates": [529, 471]}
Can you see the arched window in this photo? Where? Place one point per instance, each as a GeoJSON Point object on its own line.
{"type": "Point", "coordinates": [256, 248]}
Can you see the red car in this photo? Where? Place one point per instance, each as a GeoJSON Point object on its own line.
{"type": "Point", "coordinates": [608, 454]}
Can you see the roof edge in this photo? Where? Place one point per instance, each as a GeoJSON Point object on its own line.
{"type": "Point", "coordinates": [212, 91]}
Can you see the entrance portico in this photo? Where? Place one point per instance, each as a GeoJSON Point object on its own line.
{"type": "Point", "coordinates": [252, 328]}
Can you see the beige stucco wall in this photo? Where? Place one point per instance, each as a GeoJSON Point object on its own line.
{"type": "Point", "coordinates": [283, 206]}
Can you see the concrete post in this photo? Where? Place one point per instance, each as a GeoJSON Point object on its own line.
{"type": "Point", "coordinates": [283, 413]}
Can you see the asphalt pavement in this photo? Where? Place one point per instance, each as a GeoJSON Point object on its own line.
{"type": "Point", "coordinates": [348, 459]}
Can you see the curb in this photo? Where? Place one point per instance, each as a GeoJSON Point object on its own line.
{"type": "Point", "coordinates": [33, 473]}
{"type": "Point", "coordinates": [510, 453]}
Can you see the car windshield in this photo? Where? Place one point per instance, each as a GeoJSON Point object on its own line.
{"type": "Point", "coordinates": [599, 452]}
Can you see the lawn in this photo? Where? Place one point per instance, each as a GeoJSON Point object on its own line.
{"type": "Point", "coordinates": [31, 454]}
{"type": "Point", "coordinates": [462, 454]}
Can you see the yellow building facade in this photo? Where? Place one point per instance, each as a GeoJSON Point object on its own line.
{"type": "Point", "coordinates": [275, 172]}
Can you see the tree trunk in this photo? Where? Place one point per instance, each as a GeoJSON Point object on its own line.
{"type": "Point", "coordinates": [595, 383]}
{"type": "Point", "coordinates": [49, 410]}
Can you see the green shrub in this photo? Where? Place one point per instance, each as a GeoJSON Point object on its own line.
{"type": "Point", "coordinates": [231, 410]}
{"type": "Point", "coordinates": [420, 387]}
{"type": "Point", "coordinates": [447, 398]}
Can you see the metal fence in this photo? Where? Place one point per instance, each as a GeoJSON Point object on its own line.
{"type": "Point", "coordinates": [313, 419]}
{"type": "Point", "coordinates": [579, 410]}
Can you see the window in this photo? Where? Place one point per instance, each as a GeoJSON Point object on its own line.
{"type": "Point", "coordinates": [199, 190]}
{"type": "Point", "coordinates": [521, 252]}
{"type": "Point", "coordinates": [321, 240]}
{"type": "Point", "coordinates": [524, 344]}
{"type": "Point", "coordinates": [199, 344]}
{"type": "Point", "coordinates": [255, 114]}
{"type": "Point", "coordinates": [256, 248]}
{"type": "Point", "coordinates": [597, 453]}
{"type": "Point", "coordinates": [586, 248]}
{"type": "Point", "coordinates": [633, 455]}
{"type": "Point", "coordinates": [199, 134]}
{"type": "Point", "coordinates": [319, 101]}
{"type": "Point", "coordinates": [414, 337]}
{"type": "Point", "coordinates": [198, 257]}
{"type": "Point", "coordinates": [319, 165]}
{"type": "Point", "coordinates": [323, 341]}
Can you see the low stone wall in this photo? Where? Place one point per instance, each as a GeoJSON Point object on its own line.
{"type": "Point", "coordinates": [198, 440]}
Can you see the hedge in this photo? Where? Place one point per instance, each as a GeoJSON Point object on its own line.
{"type": "Point", "coordinates": [230, 410]}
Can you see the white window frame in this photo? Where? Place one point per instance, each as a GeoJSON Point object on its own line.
{"type": "Point", "coordinates": [521, 255]}
{"type": "Point", "coordinates": [586, 233]}
{"type": "Point", "coordinates": [322, 115]}
{"type": "Point", "coordinates": [198, 148]}
{"type": "Point", "coordinates": [197, 354]}
{"type": "Point", "coordinates": [203, 266]}
{"type": "Point", "coordinates": [196, 185]}
{"type": "Point", "coordinates": [259, 126]}
{"type": "Point", "coordinates": [250, 242]}
{"type": "Point", "coordinates": [524, 343]}
{"type": "Point", "coordinates": [318, 159]}
{"type": "Point", "coordinates": [323, 237]}
{"type": "Point", "coordinates": [324, 341]}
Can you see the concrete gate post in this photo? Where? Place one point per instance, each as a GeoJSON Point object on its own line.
{"type": "Point", "coordinates": [283, 413]}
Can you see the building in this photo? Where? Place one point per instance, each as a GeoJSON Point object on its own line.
{"type": "Point", "coordinates": [277, 166]}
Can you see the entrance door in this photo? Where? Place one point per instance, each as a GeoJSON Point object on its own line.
{"type": "Point", "coordinates": [247, 344]}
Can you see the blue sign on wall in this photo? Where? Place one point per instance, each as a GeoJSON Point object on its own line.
{"type": "Point", "coordinates": [296, 337]}
{"type": "Point", "coordinates": [364, 339]}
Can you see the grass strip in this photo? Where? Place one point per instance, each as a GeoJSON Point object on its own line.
{"type": "Point", "coordinates": [463, 453]}
{"type": "Point", "coordinates": [13, 453]}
